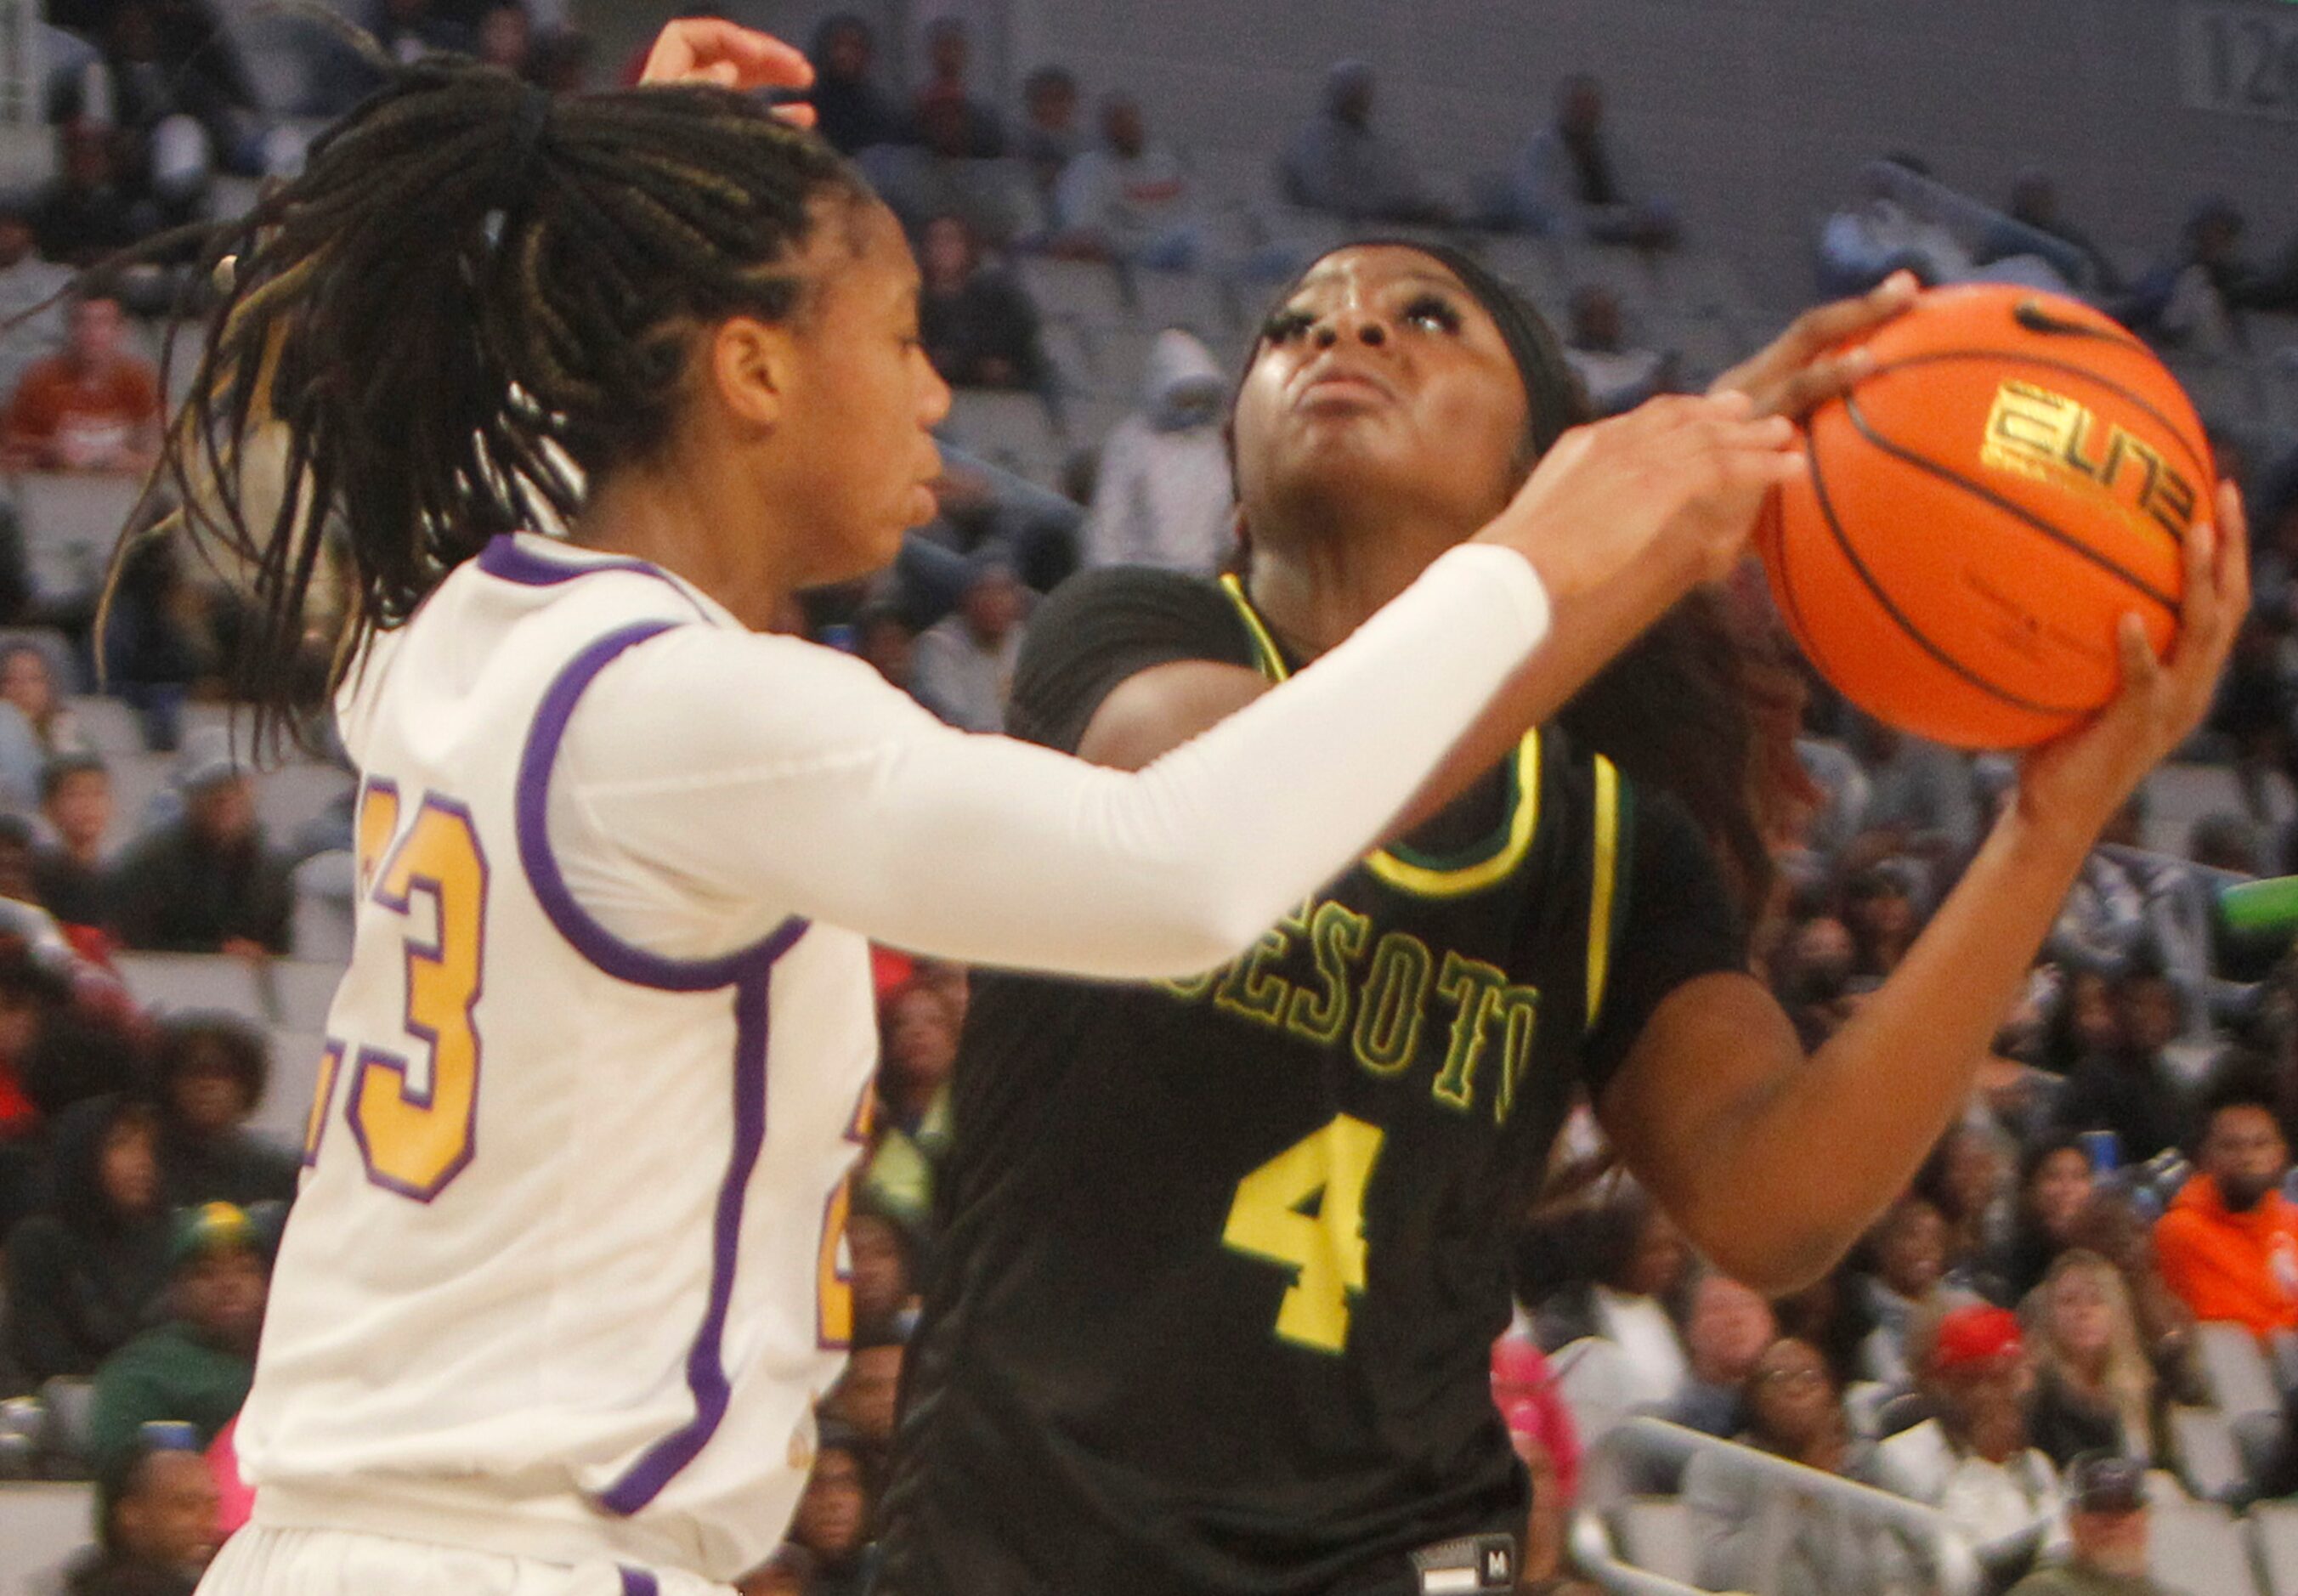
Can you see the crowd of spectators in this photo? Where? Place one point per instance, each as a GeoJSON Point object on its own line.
{"type": "Point", "coordinates": [2007, 1345]}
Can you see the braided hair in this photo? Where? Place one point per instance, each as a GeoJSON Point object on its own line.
{"type": "Point", "coordinates": [475, 300]}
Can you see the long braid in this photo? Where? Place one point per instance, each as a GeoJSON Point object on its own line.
{"type": "Point", "coordinates": [471, 303]}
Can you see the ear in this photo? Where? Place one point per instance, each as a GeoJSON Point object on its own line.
{"type": "Point", "coordinates": [750, 366]}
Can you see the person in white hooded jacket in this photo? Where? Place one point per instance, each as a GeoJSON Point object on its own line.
{"type": "Point", "coordinates": [1165, 497]}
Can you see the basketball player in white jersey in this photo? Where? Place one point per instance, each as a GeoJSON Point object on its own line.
{"type": "Point", "coordinates": [561, 1290]}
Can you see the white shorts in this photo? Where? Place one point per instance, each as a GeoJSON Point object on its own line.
{"type": "Point", "coordinates": [327, 1562]}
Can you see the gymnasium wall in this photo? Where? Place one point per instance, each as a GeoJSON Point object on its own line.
{"type": "Point", "coordinates": [1754, 115]}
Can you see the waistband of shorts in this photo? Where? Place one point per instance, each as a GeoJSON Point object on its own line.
{"type": "Point", "coordinates": [478, 1514]}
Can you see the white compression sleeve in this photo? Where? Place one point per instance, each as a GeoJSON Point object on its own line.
{"type": "Point", "coordinates": [714, 781]}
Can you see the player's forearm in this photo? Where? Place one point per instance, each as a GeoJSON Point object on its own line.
{"type": "Point", "coordinates": [1585, 634]}
{"type": "Point", "coordinates": [1837, 1137]}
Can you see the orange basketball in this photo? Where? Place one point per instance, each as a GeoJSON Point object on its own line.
{"type": "Point", "coordinates": [2016, 473]}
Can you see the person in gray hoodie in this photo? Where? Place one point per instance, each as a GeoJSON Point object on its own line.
{"type": "Point", "coordinates": [1164, 497]}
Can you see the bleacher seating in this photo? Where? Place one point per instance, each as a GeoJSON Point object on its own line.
{"type": "Point", "coordinates": [71, 523]}
{"type": "Point", "coordinates": [2209, 1460]}
{"type": "Point", "coordinates": [2199, 1546]}
{"type": "Point", "coordinates": [41, 1527]}
{"type": "Point", "coordinates": [285, 1113]}
{"type": "Point", "coordinates": [184, 982]}
{"type": "Point", "coordinates": [114, 729]}
{"type": "Point", "coordinates": [301, 989]}
{"type": "Point", "coordinates": [1657, 1533]}
{"type": "Point", "coordinates": [2274, 1542]}
{"type": "Point", "coordinates": [2241, 1382]}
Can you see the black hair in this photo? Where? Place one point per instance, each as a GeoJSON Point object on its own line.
{"type": "Point", "coordinates": [2241, 1080]}
{"type": "Point", "coordinates": [195, 1037]}
{"type": "Point", "coordinates": [2037, 1154]}
{"type": "Point", "coordinates": [477, 299]}
{"type": "Point", "coordinates": [1049, 76]}
{"type": "Point", "coordinates": [63, 767]}
{"type": "Point", "coordinates": [15, 831]}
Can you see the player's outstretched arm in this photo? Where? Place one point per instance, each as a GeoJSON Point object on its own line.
{"type": "Point", "coordinates": [1775, 1162]}
{"type": "Point", "coordinates": [777, 773]}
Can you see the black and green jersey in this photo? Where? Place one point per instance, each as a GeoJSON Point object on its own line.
{"type": "Point", "coordinates": [1221, 1260]}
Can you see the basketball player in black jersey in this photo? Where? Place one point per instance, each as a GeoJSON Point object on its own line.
{"type": "Point", "coordinates": [1222, 1262]}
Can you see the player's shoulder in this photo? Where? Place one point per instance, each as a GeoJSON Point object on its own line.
{"type": "Point", "coordinates": [1102, 594]}
{"type": "Point", "coordinates": [1107, 625]}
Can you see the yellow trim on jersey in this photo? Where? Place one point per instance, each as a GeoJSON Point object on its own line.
{"type": "Point", "coordinates": [1604, 872]}
{"type": "Point", "coordinates": [1406, 876]}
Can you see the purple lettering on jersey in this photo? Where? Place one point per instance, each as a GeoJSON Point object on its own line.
{"type": "Point", "coordinates": [748, 970]}
{"type": "Point", "coordinates": [637, 1581]}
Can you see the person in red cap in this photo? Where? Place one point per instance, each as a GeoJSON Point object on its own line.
{"type": "Point", "coordinates": [2229, 1247]}
{"type": "Point", "coordinates": [1973, 1461]}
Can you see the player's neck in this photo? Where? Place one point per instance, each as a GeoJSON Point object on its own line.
{"type": "Point", "coordinates": [678, 518]}
{"type": "Point", "coordinates": [1315, 588]}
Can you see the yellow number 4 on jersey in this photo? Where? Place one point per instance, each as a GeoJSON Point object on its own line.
{"type": "Point", "coordinates": [1305, 1209]}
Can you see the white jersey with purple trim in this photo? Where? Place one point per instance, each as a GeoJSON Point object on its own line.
{"type": "Point", "coordinates": [556, 1282]}
{"type": "Point", "coordinates": [562, 1280]}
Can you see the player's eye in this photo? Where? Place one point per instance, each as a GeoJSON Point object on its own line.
{"type": "Point", "coordinates": [1286, 326]}
{"type": "Point", "coordinates": [1433, 312]}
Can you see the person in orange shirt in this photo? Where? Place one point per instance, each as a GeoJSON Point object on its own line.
{"type": "Point", "coordinates": [2229, 1247]}
{"type": "Point", "coordinates": [93, 407]}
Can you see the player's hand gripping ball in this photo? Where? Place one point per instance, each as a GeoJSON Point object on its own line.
{"type": "Point", "coordinates": [2016, 473]}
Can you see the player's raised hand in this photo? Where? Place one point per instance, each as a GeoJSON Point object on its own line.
{"type": "Point", "coordinates": [2078, 782]}
{"type": "Point", "coordinates": [1807, 366]}
{"type": "Point", "coordinates": [1663, 497]}
{"type": "Point", "coordinates": [713, 50]}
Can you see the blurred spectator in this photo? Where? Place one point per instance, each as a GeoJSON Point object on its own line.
{"type": "Point", "coordinates": [921, 1027]}
{"type": "Point", "coordinates": [408, 31]}
{"type": "Point", "coordinates": [1572, 181]}
{"type": "Point", "coordinates": [2229, 1247]}
{"type": "Point", "coordinates": [2126, 1090]}
{"type": "Point", "coordinates": [1973, 1461]}
{"type": "Point", "coordinates": [207, 881]}
{"type": "Point", "coordinates": [86, 212]}
{"type": "Point", "coordinates": [1126, 199]}
{"type": "Point", "coordinates": [1968, 1178]}
{"type": "Point", "coordinates": [560, 60]}
{"type": "Point", "coordinates": [507, 37]}
{"type": "Point", "coordinates": [1793, 1410]}
{"type": "Point", "coordinates": [1814, 978]}
{"type": "Point", "coordinates": [210, 1074]}
{"type": "Point", "coordinates": [1908, 1253]}
{"type": "Point", "coordinates": [1880, 913]}
{"type": "Point", "coordinates": [1725, 1331]}
{"type": "Point", "coordinates": [2112, 1226]}
{"type": "Point", "coordinates": [881, 1255]}
{"type": "Point", "coordinates": [156, 1531]}
{"type": "Point", "coordinates": [1523, 1390]}
{"type": "Point", "coordinates": [28, 687]}
{"type": "Point", "coordinates": [1049, 139]}
{"type": "Point", "coordinates": [2188, 301]}
{"type": "Point", "coordinates": [27, 281]}
{"type": "Point", "coordinates": [2055, 1182]}
{"type": "Point", "coordinates": [884, 639]}
{"type": "Point", "coordinates": [1338, 164]}
{"type": "Point", "coordinates": [171, 82]}
{"type": "Point", "coordinates": [832, 1520]}
{"type": "Point", "coordinates": [980, 327]}
{"type": "Point", "coordinates": [94, 407]}
{"type": "Point", "coordinates": [2083, 1023]}
{"type": "Point", "coordinates": [85, 1270]}
{"type": "Point", "coordinates": [1616, 377]}
{"type": "Point", "coordinates": [73, 873]}
{"type": "Point", "coordinates": [933, 177]}
{"type": "Point", "coordinates": [850, 109]}
{"type": "Point", "coordinates": [155, 649]}
{"type": "Point", "coordinates": [2224, 840]}
{"type": "Point", "coordinates": [965, 664]}
{"type": "Point", "coordinates": [866, 1396]}
{"type": "Point", "coordinates": [2109, 1534]}
{"type": "Point", "coordinates": [1920, 794]}
{"type": "Point", "coordinates": [1612, 1338]}
{"type": "Point", "coordinates": [984, 507]}
{"type": "Point", "coordinates": [195, 1367]}
{"type": "Point", "coordinates": [2034, 203]}
{"type": "Point", "coordinates": [2095, 1387]}
{"type": "Point", "coordinates": [949, 51]}
{"type": "Point", "coordinates": [1164, 496]}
